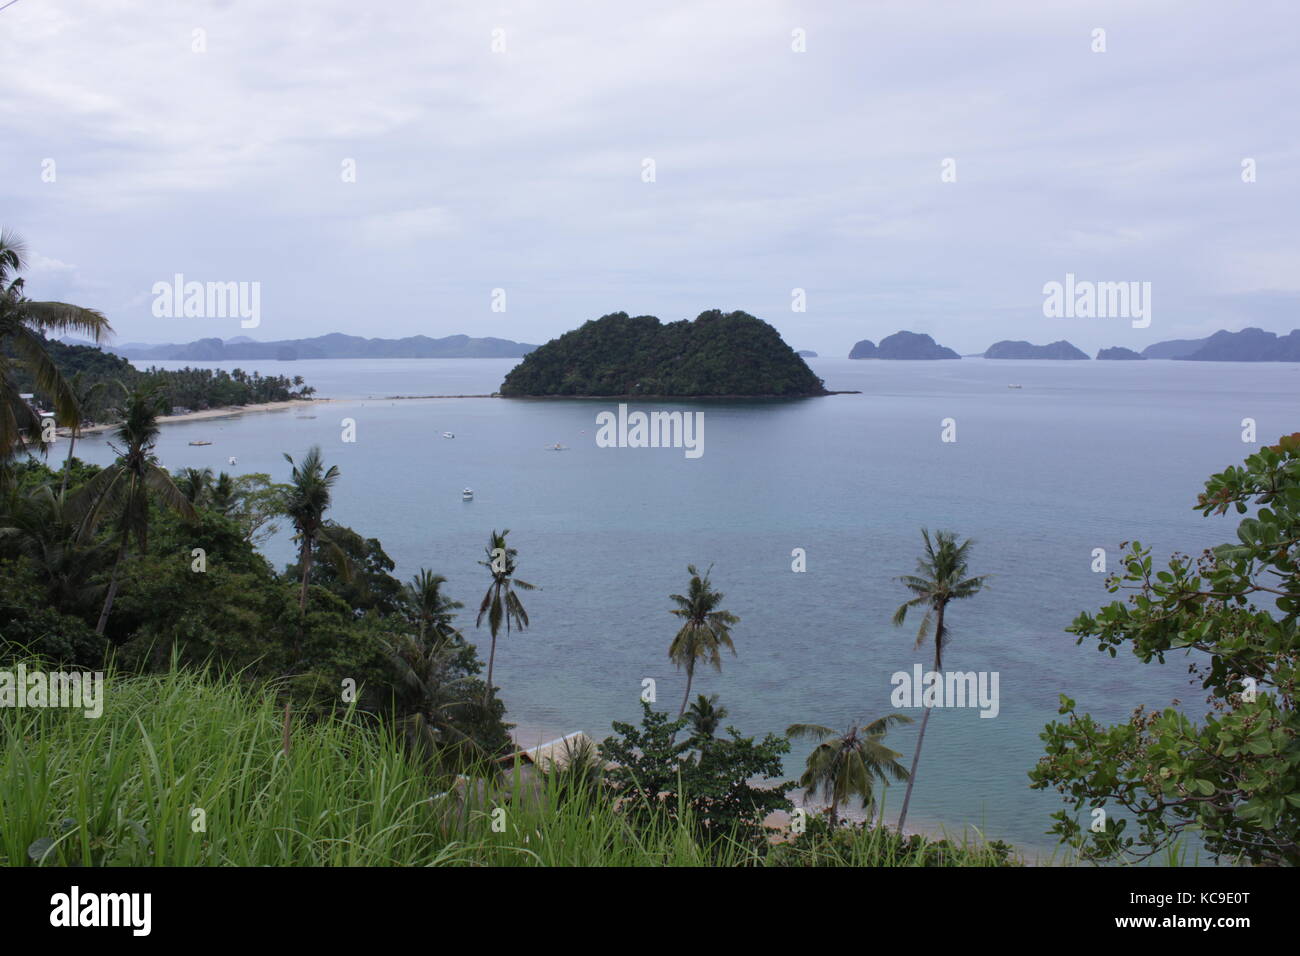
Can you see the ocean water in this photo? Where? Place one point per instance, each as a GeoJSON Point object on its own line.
{"type": "Point", "coordinates": [1084, 455]}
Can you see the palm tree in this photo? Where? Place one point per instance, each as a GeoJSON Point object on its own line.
{"type": "Point", "coordinates": [940, 577]}
{"type": "Point", "coordinates": [84, 394]}
{"type": "Point", "coordinates": [432, 610]}
{"type": "Point", "coordinates": [706, 717]}
{"type": "Point", "coordinates": [193, 483]}
{"type": "Point", "coordinates": [311, 487]}
{"type": "Point", "coordinates": [43, 531]}
{"type": "Point", "coordinates": [23, 324]}
{"type": "Point", "coordinates": [846, 765]}
{"type": "Point", "coordinates": [223, 494]}
{"type": "Point", "coordinates": [501, 603]}
{"type": "Point", "coordinates": [705, 632]}
{"type": "Point", "coordinates": [126, 487]}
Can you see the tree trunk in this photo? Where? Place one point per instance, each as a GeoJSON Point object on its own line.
{"type": "Point", "coordinates": [112, 589]}
{"type": "Point", "coordinates": [492, 656]}
{"type": "Point", "coordinates": [72, 443]}
{"type": "Point", "coordinates": [690, 676]}
{"type": "Point", "coordinates": [920, 738]}
{"type": "Point", "coordinates": [835, 816]}
{"type": "Point", "coordinates": [306, 572]}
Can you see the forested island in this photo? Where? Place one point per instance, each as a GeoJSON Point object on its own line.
{"type": "Point", "coordinates": [1121, 354]}
{"type": "Point", "coordinates": [1248, 345]}
{"type": "Point", "coordinates": [1007, 349]}
{"type": "Point", "coordinates": [902, 345]}
{"type": "Point", "coordinates": [719, 354]}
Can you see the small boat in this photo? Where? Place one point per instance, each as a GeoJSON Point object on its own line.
{"type": "Point", "coordinates": [232, 460]}
{"type": "Point", "coordinates": [1015, 386]}
{"type": "Point", "coordinates": [448, 435]}
{"type": "Point", "coordinates": [200, 443]}
{"type": "Point", "coordinates": [467, 495]}
{"type": "Point", "coordinates": [558, 447]}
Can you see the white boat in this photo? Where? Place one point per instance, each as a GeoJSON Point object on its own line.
{"type": "Point", "coordinates": [1015, 386]}
{"type": "Point", "coordinates": [200, 443]}
{"type": "Point", "coordinates": [467, 495]}
{"type": "Point", "coordinates": [448, 435]}
{"type": "Point", "coordinates": [232, 460]}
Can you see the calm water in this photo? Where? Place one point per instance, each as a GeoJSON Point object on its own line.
{"type": "Point", "coordinates": [1085, 455]}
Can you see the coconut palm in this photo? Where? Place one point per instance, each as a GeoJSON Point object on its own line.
{"type": "Point", "coordinates": [23, 324]}
{"type": "Point", "coordinates": [126, 488]}
{"type": "Point", "coordinates": [223, 496]}
{"type": "Point", "coordinates": [706, 717]}
{"type": "Point", "coordinates": [310, 490]}
{"type": "Point", "coordinates": [433, 612]}
{"type": "Point", "coordinates": [500, 602]}
{"type": "Point", "coordinates": [705, 631]}
{"type": "Point", "coordinates": [847, 765]}
{"type": "Point", "coordinates": [193, 482]}
{"type": "Point", "coordinates": [83, 393]}
{"type": "Point", "coordinates": [941, 577]}
{"type": "Point", "coordinates": [41, 529]}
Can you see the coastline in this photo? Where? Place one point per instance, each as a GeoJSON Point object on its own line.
{"type": "Point", "coordinates": [228, 411]}
{"type": "Point", "coordinates": [528, 736]}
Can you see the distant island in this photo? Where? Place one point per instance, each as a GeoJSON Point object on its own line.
{"type": "Point", "coordinates": [806, 353]}
{"type": "Point", "coordinates": [1008, 349]}
{"type": "Point", "coordinates": [719, 354]}
{"type": "Point", "coordinates": [336, 345]}
{"type": "Point", "coordinates": [902, 345]}
{"type": "Point", "coordinates": [1248, 345]}
{"type": "Point", "coordinates": [1119, 353]}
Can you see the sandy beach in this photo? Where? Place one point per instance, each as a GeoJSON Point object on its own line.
{"type": "Point", "coordinates": [209, 413]}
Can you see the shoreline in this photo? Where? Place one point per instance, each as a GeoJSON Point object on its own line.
{"type": "Point", "coordinates": [528, 736]}
{"type": "Point", "coordinates": [207, 414]}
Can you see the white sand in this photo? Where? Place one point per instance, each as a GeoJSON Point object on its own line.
{"type": "Point", "coordinates": [208, 413]}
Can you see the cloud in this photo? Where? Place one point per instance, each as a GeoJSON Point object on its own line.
{"type": "Point", "coordinates": [775, 169]}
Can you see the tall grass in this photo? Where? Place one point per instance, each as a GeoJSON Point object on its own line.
{"type": "Point", "coordinates": [188, 769]}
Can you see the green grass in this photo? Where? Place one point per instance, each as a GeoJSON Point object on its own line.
{"type": "Point", "coordinates": [122, 790]}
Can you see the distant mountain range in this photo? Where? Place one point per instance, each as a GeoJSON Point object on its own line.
{"type": "Point", "coordinates": [336, 345]}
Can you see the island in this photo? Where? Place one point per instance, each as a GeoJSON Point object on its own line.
{"type": "Point", "coordinates": [902, 345]}
{"type": "Point", "coordinates": [332, 346]}
{"type": "Point", "coordinates": [1007, 349]}
{"type": "Point", "coordinates": [717, 355]}
{"type": "Point", "coordinates": [1248, 345]}
{"type": "Point", "coordinates": [1120, 354]}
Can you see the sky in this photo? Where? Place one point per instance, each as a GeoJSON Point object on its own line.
{"type": "Point", "coordinates": [382, 169]}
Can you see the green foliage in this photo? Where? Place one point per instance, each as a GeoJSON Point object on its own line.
{"type": "Point", "coordinates": [720, 355]}
{"type": "Point", "coordinates": [1233, 776]}
{"type": "Point", "coordinates": [657, 779]}
{"type": "Point", "coordinates": [192, 388]}
{"type": "Point", "coordinates": [863, 844]}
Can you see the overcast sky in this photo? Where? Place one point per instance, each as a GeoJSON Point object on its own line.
{"type": "Point", "coordinates": [774, 169]}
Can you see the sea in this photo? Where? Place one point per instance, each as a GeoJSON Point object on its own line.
{"type": "Point", "coordinates": [1041, 463]}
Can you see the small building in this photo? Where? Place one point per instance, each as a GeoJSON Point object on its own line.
{"type": "Point", "coordinates": [554, 754]}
